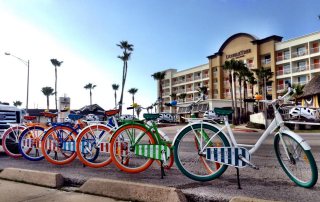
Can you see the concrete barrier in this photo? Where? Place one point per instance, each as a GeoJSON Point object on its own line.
{"type": "Point", "coordinates": [47, 179]}
{"type": "Point", "coordinates": [131, 191]}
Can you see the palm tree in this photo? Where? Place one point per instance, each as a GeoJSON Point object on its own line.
{"type": "Point", "coordinates": [159, 76]}
{"type": "Point", "coordinates": [16, 103]}
{"type": "Point", "coordinates": [115, 87]}
{"type": "Point", "coordinates": [230, 66]}
{"type": "Point", "coordinates": [127, 49]}
{"type": "Point", "coordinates": [90, 86]}
{"type": "Point", "coordinates": [203, 90]}
{"type": "Point", "coordinates": [47, 91]}
{"type": "Point", "coordinates": [182, 96]}
{"type": "Point", "coordinates": [264, 75]}
{"type": "Point", "coordinates": [56, 64]}
{"type": "Point", "coordinates": [173, 97]}
{"type": "Point", "coordinates": [242, 71]}
{"type": "Point", "coordinates": [298, 90]}
{"type": "Point", "coordinates": [133, 91]}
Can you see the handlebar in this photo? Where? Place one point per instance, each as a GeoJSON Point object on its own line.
{"type": "Point", "coordinates": [279, 98]}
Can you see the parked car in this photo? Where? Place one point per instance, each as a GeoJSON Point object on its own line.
{"type": "Point", "coordinates": [166, 118]}
{"type": "Point", "coordinates": [127, 117]}
{"type": "Point", "coordinates": [304, 112]}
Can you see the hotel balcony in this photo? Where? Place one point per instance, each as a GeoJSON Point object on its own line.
{"type": "Point", "coordinates": [181, 91]}
{"type": "Point", "coordinates": [189, 79]}
{"type": "Point", "coordinates": [300, 83]}
{"type": "Point", "coordinates": [314, 50]}
{"type": "Point", "coordinates": [315, 66]}
{"type": "Point", "coordinates": [299, 53]}
{"type": "Point", "coordinates": [189, 89]}
{"type": "Point", "coordinates": [300, 69]}
{"type": "Point", "coordinates": [265, 61]}
{"type": "Point", "coordinates": [189, 99]}
{"type": "Point", "coordinates": [281, 58]}
{"type": "Point", "coordinates": [280, 88]}
{"type": "Point", "coordinates": [283, 72]}
{"type": "Point", "coordinates": [205, 76]}
{"type": "Point", "coordinates": [165, 93]}
{"type": "Point", "coordinates": [197, 77]}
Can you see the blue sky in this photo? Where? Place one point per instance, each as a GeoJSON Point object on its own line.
{"type": "Point", "coordinates": [165, 33]}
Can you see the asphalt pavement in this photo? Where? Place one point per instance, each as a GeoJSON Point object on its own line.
{"type": "Point", "coordinates": [268, 183]}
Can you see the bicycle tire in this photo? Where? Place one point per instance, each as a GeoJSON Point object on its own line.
{"type": "Point", "coordinates": [191, 163]}
{"type": "Point", "coordinates": [122, 150]}
{"type": "Point", "coordinates": [10, 141]}
{"type": "Point", "coordinates": [91, 155]}
{"type": "Point", "coordinates": [301, 161]}
{"type": "Point", "coordinates": [29, 142]}
{"type": "Point", "coordinates": [58, 145]}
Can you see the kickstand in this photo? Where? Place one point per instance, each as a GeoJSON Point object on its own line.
{"type": "Point", "coordinates": [238, 178]}
{"type": "Point", "coordinates": [55, 155]}
{"type": "Point", "coordinates": [162, 170]}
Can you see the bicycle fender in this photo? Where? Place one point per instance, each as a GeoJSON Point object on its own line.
{"type": "Point", "coordinates": [296, 137]}
{"type": "Point", "coordinates": [204, 123]}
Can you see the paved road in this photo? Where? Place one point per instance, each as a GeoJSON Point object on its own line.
{"type": "Point", "coordinates": [270, 182]}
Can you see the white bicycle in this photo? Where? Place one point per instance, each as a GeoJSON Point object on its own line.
{"type": "Point", "coordinates": [203, 151]}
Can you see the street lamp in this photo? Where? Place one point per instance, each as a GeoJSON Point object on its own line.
{"type": "Point", "coordinates": [27, 64]}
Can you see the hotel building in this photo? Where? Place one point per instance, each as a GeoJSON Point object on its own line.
{"type": "Point", "coordinates": [296, 60]}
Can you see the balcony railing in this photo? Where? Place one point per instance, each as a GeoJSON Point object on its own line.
{"type": "Point", "coordinates": [280, 87]}
{"type": "Point", "coordinates": [182, 91]}
{"type": "Point", "coordinates": [174, 82]}
{"type": "Point", "coordinates": [189, 89]}
{"type": "Point", "coordinates": [250, 65]}
{"type": "Point", "coordinates": [301, 83]}
{"type": "Point", "coordinates": [299, 53]}
{"type": "Point", "coordinates": [182, 81]}
{"type": "Point", "coordinates": [266, 61]}
{"type": "Point", "coordinates": [197, 77]}
{"type": "Point", "coordinates": [189, 99]}
{"type": "Point", "coordinates": [205, 76]}
{"type": "Point", "coordinates": [189, 79]}
{"type": "Point", "coordinates": [315, 66]}
{"type": "Point", "coordinates": [314, 50]}
{"type": "Point", "coordinates": [300, 69]}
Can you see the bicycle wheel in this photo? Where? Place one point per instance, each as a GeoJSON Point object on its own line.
{"type": "Point", "coordinates": [93, 145]}
{"type": "Point", "coordinates": [188, 156]}
{"type": "Point", "coordinates": [299, 164]}
{"type": "Point", "coordinates": [29, 143]}
{"type": "Point", "coordinates": [124, 148]}
{"type": "Point", "coordinates": [58, 145]}
{"type": "Point", "coordinates": [10, 141]}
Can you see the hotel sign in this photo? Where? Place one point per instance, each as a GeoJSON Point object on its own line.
{"type": "Point", "coordinates": [238, 54]}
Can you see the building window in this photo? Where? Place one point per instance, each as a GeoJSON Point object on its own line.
{"type": "Point", "coordinates": [286, 69]}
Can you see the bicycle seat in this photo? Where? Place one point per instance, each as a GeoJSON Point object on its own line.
{"type": "Point", "coordinates": [223, 112]}
{"type": "Point", "coordinates": [75, 117]}
{"type": "Point", "coordinates": [149, 117]}
{"type": "Point", "coordinates": [111, 112]}
{"type": "Point", "coordinates": [49, 114]}
{"type": "Point", "coordinates": [29, 118]}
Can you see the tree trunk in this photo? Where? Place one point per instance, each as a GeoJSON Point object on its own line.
{"type": "Point", "coordinates": [115, 99]}
{"type": "Point", "coordinates": [122, 88]}
{"type": "Point", "coordinates": [235, 100]}
{"type": "Point", "coordinates": [90, 97]}
{"type": "Point", "coordinates": [56, 100]}
{"type": "Point", "coordinates": [240, 89]}
{"type": "Point", "coordinates": [160, 103]}
{"type": "Point", "coordinates": [48, 102]}
{"type": "Point", "coordinates": [231, 93]}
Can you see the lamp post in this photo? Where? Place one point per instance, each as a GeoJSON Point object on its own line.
{"type": "Point", "coordinates": [27, 63]}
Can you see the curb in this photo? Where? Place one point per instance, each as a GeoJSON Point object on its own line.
{"type": "Point", "coordinates": [131, 191]}
{"type": "Point", "coordinates": [47, 179]}
{"type": "Point", "coordinates": [247, 199]}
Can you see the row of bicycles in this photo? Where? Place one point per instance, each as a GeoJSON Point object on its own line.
{"type": "Point", "coordinates": [202, 149]}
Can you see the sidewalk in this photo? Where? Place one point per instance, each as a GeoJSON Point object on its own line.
{"type": "Point", "coordinates": [11, 191]}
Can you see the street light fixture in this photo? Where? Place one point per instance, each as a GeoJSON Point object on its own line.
{"type": "Point", "coordinates": [27, 63]}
